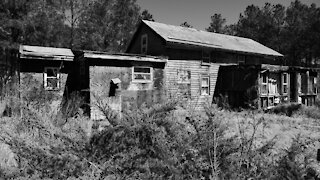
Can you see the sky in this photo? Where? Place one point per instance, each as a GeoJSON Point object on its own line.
{"type": "Point", "coordinates": [197, 12]}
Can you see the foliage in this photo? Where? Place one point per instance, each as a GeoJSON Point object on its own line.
{"type": "Point", "coordinates": [309, 112]}
{"type": "Point", "coordinates": [153, 143]}
{"type": "Point", "coordinates": [93, 25]}
{"type": "Point", "coordinates": [217, 23]}
{"type": "Point", "coordinates": [108, 25]}
{"type": "Point", "coordinates": [186, 24]}
{"type": "Point", "coordinates": [292, 31]}
{"type": "Point", "coordinates": [145, 15]}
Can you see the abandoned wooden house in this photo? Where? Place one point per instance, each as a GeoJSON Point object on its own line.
{"type": "Point", "coordinates": [120, 81]}
{"type": "Point", "coordinates": [199, 67]}
{"type": "Point", "coordinates": [205, 66]}
{"type": "Point", "coordinates": [100, 80]}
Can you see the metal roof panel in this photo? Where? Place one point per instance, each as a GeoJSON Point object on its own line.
{"type": "Point", "coordinates": [38, 52]}
{"type": "Point", "coordinates": [193, 36]}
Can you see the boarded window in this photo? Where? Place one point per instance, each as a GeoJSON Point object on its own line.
{"type": "Point", "coordinates": [51, 78]}
{"type": "Point", "coordinates": [144, 44]}
{"type": "Point", "coordinates": [142, 74]}
{"type": "Point", "coordinates": [285, 83]}
{"type": "Point", "coordinates": [205, 85]}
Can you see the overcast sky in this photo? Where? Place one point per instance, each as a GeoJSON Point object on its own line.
{"type": "Point", "coordinates": [197, 12]}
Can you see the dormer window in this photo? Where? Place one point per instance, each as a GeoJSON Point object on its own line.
{"type": "Point", "coordinates": [144, 44]}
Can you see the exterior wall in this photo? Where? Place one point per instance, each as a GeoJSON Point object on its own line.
{"type": "Point", "coordinates": [33, 92]}
{"type": "Point", "coordinates": [129, 95]}
{"type": "Point", "coordinates": [189, 89]}
{"type": "Point", "coordinates": [31, 78]}
{"type": "Point", "coordinates": [156, 45]}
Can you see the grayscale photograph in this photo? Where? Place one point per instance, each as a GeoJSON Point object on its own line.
{"type": "Point", "coordinates": [160, 89]}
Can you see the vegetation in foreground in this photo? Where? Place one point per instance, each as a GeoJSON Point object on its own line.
{"type": "Point", "coordinates": [162, 142]}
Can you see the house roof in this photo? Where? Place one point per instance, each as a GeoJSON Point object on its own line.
{"type": "Point", "coordinates": [45, 53]}
{"type": "Point", "coordinates": [123, 56]}
{"type": "Point", "coordinates": [191, 36]}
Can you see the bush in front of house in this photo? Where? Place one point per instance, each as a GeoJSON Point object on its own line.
{"type": "Point", "coordinates": [310, 112]}
{"type": "Point", "coordinates": [151, 143]}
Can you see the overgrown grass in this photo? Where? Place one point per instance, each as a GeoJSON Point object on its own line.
{"type": "Point", "coordinates": [158, 143]}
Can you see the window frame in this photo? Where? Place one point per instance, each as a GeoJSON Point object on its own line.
{"type": "Point", "coordinates": [206, 76]}
{"type": "Point", "coordinates": [264, 83]}
{"type": "Point", "coordinates": [144, 46]}
{"type": "Point", "coordinates": [283, 83]}
{"type": "Point", "coordinates": [140, 80]}
{"type": "Point", "coordinates": [46, 77]}
{"type": "Point", "coordinates": [313, 84]}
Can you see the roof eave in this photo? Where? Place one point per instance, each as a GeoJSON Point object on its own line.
{"type": "Point", "coordinates": [171, 43]}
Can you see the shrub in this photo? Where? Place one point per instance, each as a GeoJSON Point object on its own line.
{"type": "Point", "coordinates": [152, 143]}
{"type": "Point", "coordinates": [309, 112]}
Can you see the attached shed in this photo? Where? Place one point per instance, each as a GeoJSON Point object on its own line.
{"type": "Point", "coordinates": [120, 81]}
{"type": "Point", "coordinates": [37, 74]}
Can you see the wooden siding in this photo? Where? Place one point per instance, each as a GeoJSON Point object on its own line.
{"type": "Point", "coordinates": [196, 100]}
{"type": "Point", "coordinates": [129, 96]}
{"type": "Point", "coordinates": [31, 83]}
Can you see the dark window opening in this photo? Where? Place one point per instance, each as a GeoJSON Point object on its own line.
{"type": "Point", "coordinates": [113, 89]}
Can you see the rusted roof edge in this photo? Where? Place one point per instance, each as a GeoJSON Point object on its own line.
{"type": "Point", "coordinates": [45, 57]}
{"type": "Point", "coordinates": [128, 57]}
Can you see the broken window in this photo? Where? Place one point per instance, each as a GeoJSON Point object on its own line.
{"type": "Point", "coordinates": [144, 44]}
{"type": "Point", "coordinates": [285, 83]}
{"type": "Point", "coordinates": [205, 85]}
{"type": "Point", "coordinates": [184, 82]}
{"type": "Point", "coordinates": [51, 78]}
{"type": "Point", "coordinates": [142, 74]}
